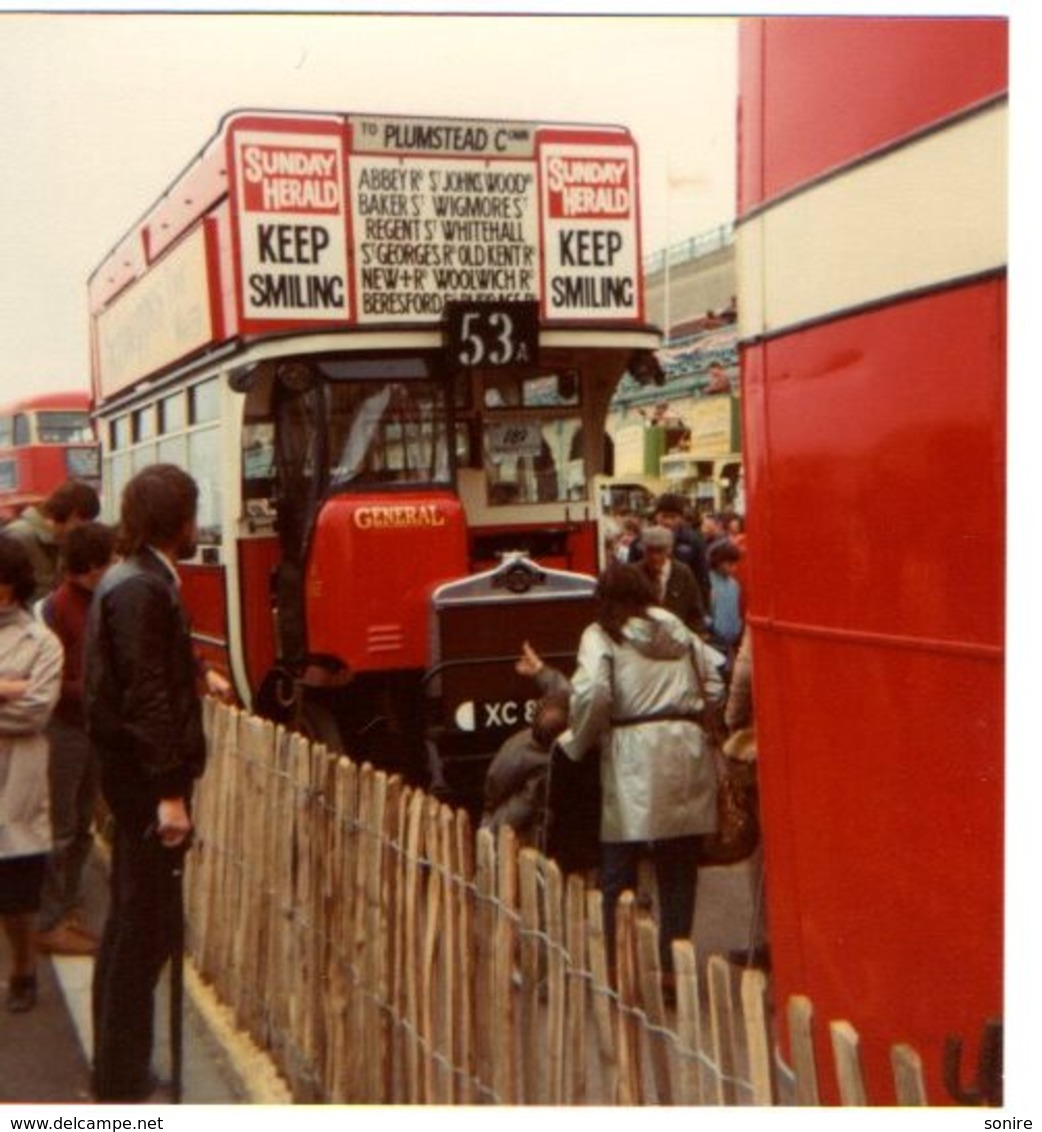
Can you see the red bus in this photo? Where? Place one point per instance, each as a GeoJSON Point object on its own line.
{"type": "Point", "coordinates": [872, 300]}
{"type": "Point", "coordinates": [385, 347]}
{"type": "Point", "coordinates": [44, 441]}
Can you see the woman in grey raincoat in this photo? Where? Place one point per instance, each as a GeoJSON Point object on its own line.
{"type": "Point", "coordinates": [30, 680]}
{"type": "Point", "coordinates": [636, 695]}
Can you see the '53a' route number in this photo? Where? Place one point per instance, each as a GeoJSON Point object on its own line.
{"type": "Point", "coordinates": [492, 334]}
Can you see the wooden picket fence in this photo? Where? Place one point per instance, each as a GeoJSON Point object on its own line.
{"type": "Point", "coordinates": [382, 952]}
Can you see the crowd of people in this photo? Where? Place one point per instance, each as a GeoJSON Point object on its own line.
{"type": "Point", "coordinates": [100, 711]}
{"type": "Point", "coordinates": [665, 662]}
{"type": "Point", "coordinates": [696, 563]}
{"type": "Point", "coordinates": [100, 697]}
{"type": "Point", "coordinates": [45, 775]}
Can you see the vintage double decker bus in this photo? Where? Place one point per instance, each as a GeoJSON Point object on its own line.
{"type": "Point", "coordinates": [44, 441]}
{"type": "Point", "coordinates": [385, 348]}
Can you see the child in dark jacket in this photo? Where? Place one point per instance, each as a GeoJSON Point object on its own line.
{"type": "Point", "coordinates": [516, 783]}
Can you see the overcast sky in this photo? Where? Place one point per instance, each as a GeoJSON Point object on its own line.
{"type": "Point", "coordinates": [101, 111]}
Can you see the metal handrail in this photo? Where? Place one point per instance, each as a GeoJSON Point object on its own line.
{"type": "Point", "coordinates": [694, 247]}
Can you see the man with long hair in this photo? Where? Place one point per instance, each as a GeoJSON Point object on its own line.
{"type": "Point", "coordinates": [144, 720]}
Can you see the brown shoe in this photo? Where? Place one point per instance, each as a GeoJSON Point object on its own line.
{"type": "Point", "coordinates": [76, 923]}
{"type": "Point", "coordinates": [21, 993]}
{"type": "Point", "coordinates": [65, 940]}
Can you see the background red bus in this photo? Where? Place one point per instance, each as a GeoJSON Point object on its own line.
{"type": "Point", "coordinates": [44, 441]}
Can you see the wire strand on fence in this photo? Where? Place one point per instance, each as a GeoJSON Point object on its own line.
{"type": "Point", "coordinates": [383, 953]}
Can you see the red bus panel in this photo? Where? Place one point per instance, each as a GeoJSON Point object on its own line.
{"type": "Point", "coordinates": [891, 76]}
{"type": "Point", "coordinates": [367, 604]}
{"type": "Point", "coordinates": [876, 517]}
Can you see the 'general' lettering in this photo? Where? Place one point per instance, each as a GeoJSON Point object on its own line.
{"type": "Point", "coordinates": [423, 515]}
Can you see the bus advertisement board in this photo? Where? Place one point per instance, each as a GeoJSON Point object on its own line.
{"type": "Point", "coordinates": [389, 219]}
{"type": "Point", "coordinates": [291, 225]}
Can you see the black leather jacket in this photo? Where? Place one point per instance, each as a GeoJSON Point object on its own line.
{"type": "Point", "coordinates": [144, 715]}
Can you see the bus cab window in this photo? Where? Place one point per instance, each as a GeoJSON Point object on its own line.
{"type": "Point", "coordinates": [299, 437]}
{"type": "Point", "coordinates": [387, 432]}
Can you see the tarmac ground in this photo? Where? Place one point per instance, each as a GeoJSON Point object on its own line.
{"type": "Point", "coordinates": [45, 1052]}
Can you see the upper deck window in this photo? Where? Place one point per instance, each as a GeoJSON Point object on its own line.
{"type": "Point", "coordinates": [65, 426]}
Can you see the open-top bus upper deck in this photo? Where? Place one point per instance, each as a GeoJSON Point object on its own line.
{"type": "Point", "coordinates": [319, 222]}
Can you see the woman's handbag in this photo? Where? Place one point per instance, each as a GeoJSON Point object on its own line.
{"type": "Point", "coordinates": [737, 812]}
{"type": "Point", "coordinates": [737, 797]}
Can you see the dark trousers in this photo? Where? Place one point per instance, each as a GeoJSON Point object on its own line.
{"type": "Point", "coordinates": [676, 874]}
{"type": "Point", "coordinates": [135, 944]}
{"type": "Point", "coordinates": [72, 771]}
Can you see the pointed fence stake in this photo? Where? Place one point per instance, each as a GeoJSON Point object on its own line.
{"type": "Point", "coordinates": [846, 1051]}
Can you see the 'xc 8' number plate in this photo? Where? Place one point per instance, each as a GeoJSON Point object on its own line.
{"type": "Point", "coordinates": [494, 715]}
